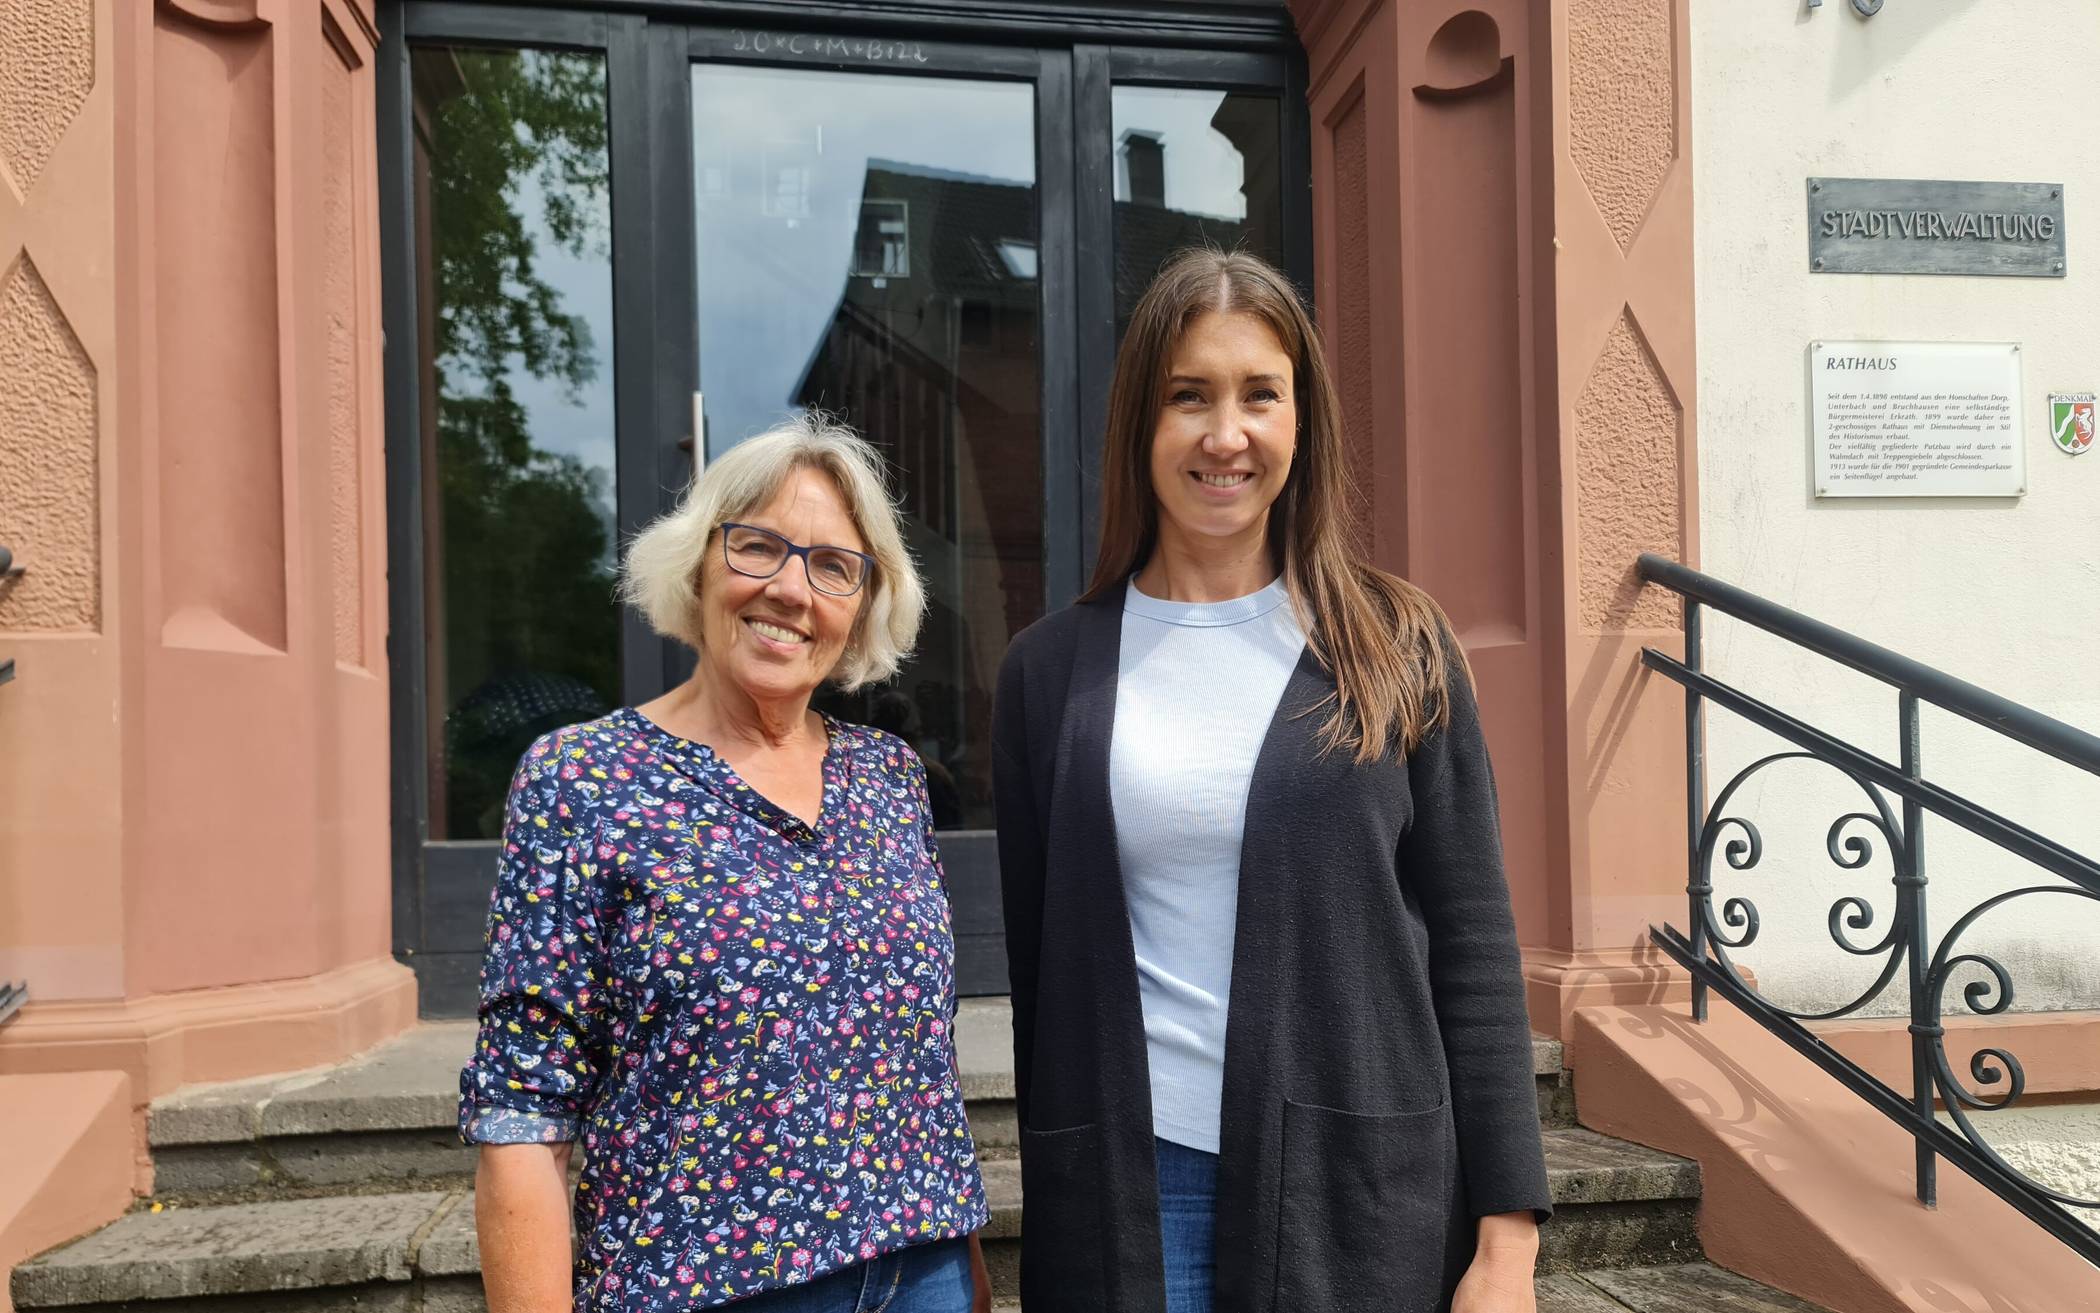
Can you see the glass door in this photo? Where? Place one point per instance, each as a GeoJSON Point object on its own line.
{"type": "Point", "coordinates": [868, 244]}
{"type": "Point", "coordinates": [869, 225]}
{"type": "Point", "coordinates": [615, 245]}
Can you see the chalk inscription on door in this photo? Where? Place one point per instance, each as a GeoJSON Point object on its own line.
{"type": "Point", "coordinates": [1914, 226]}
{"type": "Point", "coordinates": [1916, 419]}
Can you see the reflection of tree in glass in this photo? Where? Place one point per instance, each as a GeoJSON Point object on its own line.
{"type": "Point", "coordinates": [529, 629]}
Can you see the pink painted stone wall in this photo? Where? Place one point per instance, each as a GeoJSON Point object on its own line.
{"type": "Point", "coordinates": [1502, 211]}
{"type": "Point", "coordinates": [190, 471]}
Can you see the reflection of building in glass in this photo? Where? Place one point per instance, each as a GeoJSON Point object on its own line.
{"type": "Point", "coordinates": [1150, 227]}
{"type": "Point", "coordinates": [932, 354]}
{"type": "Point", "coordinates": [882, 244]}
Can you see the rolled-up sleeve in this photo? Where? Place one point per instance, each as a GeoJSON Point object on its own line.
{"type": "Point", "coordinates": [543, 1036]}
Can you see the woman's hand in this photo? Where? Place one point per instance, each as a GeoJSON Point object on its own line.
{"type": "Point", "coordinates": [521, 1211]}
{"type": "Point", "coordinates": [980, 1278]}
{"type": "Point", "coordinates": [1499, 1278]}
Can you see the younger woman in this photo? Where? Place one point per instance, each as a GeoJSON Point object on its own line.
{"type": "Point", "coordinates": [1270, 1042]}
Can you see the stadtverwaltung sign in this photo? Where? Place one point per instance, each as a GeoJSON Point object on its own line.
{"type": "Point", "coordinates": [1918, 226]}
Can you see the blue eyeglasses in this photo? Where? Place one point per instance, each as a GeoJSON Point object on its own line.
{"type": "Point", "coordinates": [759, 553]}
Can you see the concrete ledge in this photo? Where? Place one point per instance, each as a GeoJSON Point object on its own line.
{"type": "Point", "coordinates": [66, 1141]}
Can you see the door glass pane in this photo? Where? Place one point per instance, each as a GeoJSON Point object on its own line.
{"type": "Point", "coordinates": [1193, 168]}
{"type": "Point", "coordinates": [515, 290]}
{"type": "Point", "coordinates": [867, 245]}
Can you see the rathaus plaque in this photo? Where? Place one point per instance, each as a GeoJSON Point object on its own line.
{"type": "Point", "coordinates": [1916, 419]}
{"type": "Point", "coordinates": [1899, 226]}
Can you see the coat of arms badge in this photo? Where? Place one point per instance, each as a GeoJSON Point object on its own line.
{"type": "Point", "coordinates": [2071, 421]}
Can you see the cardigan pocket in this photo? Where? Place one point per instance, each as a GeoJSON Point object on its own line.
{"type": "Point", "coordinates": [1061, 1260]}
{"type": "Point", "coordinates": [1365, 1210]}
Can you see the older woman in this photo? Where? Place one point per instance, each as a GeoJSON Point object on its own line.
{"type": "Point", "coordinates": [719, 951]}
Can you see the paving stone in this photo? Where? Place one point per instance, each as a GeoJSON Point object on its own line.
{"type": "Point", "coordinates": [451, 1249]}
{"type": "Point", "coordinates": [211, 1114]}
{"type": "Point", "coordinates": [1583, 1167]}
{"type": "Point", "coordinates": [191, 1252]}
{"type": "Point", "coordinates": [1571, 1294]}
{"type": "Point", "coordinates": [1693, 1288]}
{"type": "Point", "coordinates": [409, 1084]}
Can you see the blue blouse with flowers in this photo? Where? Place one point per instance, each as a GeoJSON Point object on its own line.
{"type": "Point", "coordinates": [746, 1021]}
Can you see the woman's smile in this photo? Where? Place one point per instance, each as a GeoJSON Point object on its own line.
{"type": "Point", "coordinates": [774, 634]}
{"type": "Point", "coordinates": [1222, 485]}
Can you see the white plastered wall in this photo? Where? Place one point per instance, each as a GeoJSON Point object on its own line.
{"type": "Point", "coordinates": [2004, 593]}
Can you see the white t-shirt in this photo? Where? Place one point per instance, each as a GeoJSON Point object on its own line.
{"type": "Point", "coordinates": [1198, 684]}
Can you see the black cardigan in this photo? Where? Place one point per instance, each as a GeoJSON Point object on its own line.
{"type": "Point", "coordinates": [1378, 1088]}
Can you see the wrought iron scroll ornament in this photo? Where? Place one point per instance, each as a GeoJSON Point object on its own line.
{"type": "Point", "coordinates": [1898, 799]}
{"type": "Point", "coordinates": [1738, 922]}
{"type": "Point", "coordinates": [2000, 1080]}
{"type": "Point", "coordinates": [1864, 8]}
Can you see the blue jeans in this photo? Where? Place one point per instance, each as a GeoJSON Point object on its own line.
{"type": "Point", "coordinates": [1188, 1196]}
{"type": "Point", "coordinates": [929, 1278]}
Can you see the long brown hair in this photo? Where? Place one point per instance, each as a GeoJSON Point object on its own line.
{"type": "Point", "coordinates": [1382, 639]}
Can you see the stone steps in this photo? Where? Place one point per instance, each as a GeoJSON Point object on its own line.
{"type": "Point", "coordinates": [390, 1116]}
{"type": "Point", "coordinates": [347, 1188]}
{"type": "Point", "coordinates": [417, 1251]}
{"type": "Point", "coordinates": [1619, 1205]}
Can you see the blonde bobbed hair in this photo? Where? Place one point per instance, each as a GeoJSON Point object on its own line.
{"type": "Point", "coordinates": [662, 576]}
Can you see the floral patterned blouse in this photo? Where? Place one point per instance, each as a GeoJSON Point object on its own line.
{"type": "Point", "coordinates": [746, 1020]}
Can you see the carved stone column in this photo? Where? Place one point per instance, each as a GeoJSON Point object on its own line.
{"type": "Point", "coordinates": [193, 787]}
{"type": "Point", "coordinates": [1502, 197]}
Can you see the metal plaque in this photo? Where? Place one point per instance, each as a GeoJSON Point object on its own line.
{"type": "Point", "coordinates": [1916, 419]}
{"type": "Point", "coordinates": [1912, 226]}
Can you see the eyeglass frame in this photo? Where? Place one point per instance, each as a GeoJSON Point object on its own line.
{"type": "Point", "coordinates": [795, 549]}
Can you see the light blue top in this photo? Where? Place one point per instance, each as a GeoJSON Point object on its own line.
{"type": "Point", "coordinates": [1197, 685]}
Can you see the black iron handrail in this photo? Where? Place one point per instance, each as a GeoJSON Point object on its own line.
{"type": "Point", "coordinates": [2066, 743]}
{"type": "Point", "coordinates": [1906, 947]}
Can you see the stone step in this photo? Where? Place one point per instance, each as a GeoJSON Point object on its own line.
{"type": "Point", "coordinates": [416, 1251]}
{"type": "Point", "coordinates": [388, 1118]}
{"type": "Point", "coordinates": [1679, 1288]}
{"type": "Point", "coordinates": [1619, 1204]}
